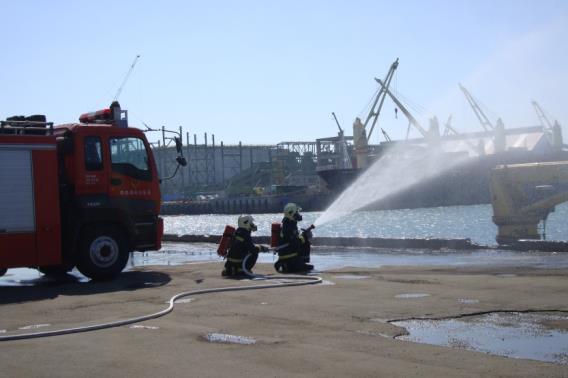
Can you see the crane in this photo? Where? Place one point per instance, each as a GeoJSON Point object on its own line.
{"type": "Point", "coordinates": [544, 121]}
{"type": "Point", "coordinates": [343, 148]}
{"type": "Point", "coordinates": [379, 100]}
{"type": "Point", "coordinates": [417, 124]}
{"type": "Point", "coordinates": [448, 127]}
{"type": "Point", "coordinates": [485, 123]}
{"type": "Point", "coordinates": [411, 119]}
{"type": "Point", "coordinates": [337, 123]}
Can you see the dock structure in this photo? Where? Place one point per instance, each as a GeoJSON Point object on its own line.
{"type": "Point", "coordinates": [352, 242]}
{"type": "Point", "coordinates": [237, 170]}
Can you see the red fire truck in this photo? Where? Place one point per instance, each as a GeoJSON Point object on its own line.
{"type": "Point", "coordinates": [84, 194]}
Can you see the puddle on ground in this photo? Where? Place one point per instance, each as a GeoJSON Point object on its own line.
{"type": "Point", "coordinates": [468, 301]}
{"type": "Point", "coordinates": [34, 326]}
{"type": "Point", "coordinates": [229, 339]}
{"type": "Point", "coordinates": [411, 295]}
{"type": "Point", "coordinates": [138, 326]}
{"type": "Point", "coordinates": [2, 331]}
{"type": "Point", "coordinates": [351, 277]}
{"type": "Point", "coordinates": [536, 336]}
{"type": "Point", "coordinates": [186, 300]}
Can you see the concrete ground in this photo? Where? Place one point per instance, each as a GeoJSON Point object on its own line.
{"type": "Point", "coordinates": [335, 329]}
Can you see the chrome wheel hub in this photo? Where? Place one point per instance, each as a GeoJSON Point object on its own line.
{"type": "Point", "coordinates": [104, 251]}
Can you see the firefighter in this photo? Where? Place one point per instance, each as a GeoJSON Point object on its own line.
{"type": "Point", "coordinates": [294, 251]}
{"type": "Point", "coordinates": [241, 246]}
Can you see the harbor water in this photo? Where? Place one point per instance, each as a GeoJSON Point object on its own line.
{"type": "Point", "coordinates": [473, 222]}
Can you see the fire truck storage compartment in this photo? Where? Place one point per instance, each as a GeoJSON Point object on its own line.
{"type": "Point", "coordinates": [30, 221]}
{"type": "Point", "coordinates": [16, 191]}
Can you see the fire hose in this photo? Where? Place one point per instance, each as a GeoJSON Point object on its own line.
{"type": "Point", "coordinates": [300, 280]}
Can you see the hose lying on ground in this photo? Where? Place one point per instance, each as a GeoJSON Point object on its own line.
{"type": "Point", "coordinates": [301, 280]}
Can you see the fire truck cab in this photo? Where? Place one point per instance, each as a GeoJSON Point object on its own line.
{"type": "Point", "coordinates": [83, 194]}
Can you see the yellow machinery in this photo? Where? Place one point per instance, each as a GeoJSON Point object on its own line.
{"type": "Point", "coordinates": [523, 195]}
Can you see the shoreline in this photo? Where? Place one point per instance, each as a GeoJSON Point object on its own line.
{"type": "Point", "coordinates": [403, 243]}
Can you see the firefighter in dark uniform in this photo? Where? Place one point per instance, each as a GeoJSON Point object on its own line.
{"type": "Point", "coordinates": [294, 251]}
{"type": "Point", "coordinates": [241, 246]}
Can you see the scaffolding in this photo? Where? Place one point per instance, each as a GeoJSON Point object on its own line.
{"type": "Point", "coordinates": [211, 166]}
{"type": "Point", "coordinates": [201, 168]}
{"type": "Point", "coordinates": [300, 148]}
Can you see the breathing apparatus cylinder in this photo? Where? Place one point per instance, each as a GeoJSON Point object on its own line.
{"type": "Point", "coordinates": [274, 234]}
{"type": "Point", "coordinates": [225, 241]}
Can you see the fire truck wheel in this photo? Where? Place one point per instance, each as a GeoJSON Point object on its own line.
{"type": "Point", "coordinates": [102, 253]}
{"type": "Point", "coordinates": [3, 271]}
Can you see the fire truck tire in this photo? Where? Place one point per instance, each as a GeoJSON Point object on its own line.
{"type": "Point", "coordinates": [102, 254]}
{"type": "Point", "coordinates": [3, 271]}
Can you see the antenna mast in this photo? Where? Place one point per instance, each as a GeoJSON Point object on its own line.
{"type": "Point", "coordinates": [126, 78]}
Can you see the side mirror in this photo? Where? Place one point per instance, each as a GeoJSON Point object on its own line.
{"type": "Point", "coordinates": [178, 144]}
{"type": "Point", "coordinates": [181, 161]}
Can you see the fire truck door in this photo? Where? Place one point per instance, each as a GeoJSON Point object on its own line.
{"type": "Point", "coordinates": [95, 178]}
{"type": "Point", "coordinates": [131, 175]}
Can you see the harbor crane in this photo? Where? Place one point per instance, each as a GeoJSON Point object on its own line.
{"type": "Point", "coordinates": [343, 148]}
{"type": "Point", "coordinates": [544, 121]}
{"type": "Point", "coordinates": [417, 125]}
{"type": "Point", "coordinates": [409, 116]}
{"type": "Point", "coordinates": [379, 100]}
{"type": "Point", "coordinates": [360, 136]}
{"type": "Point", "coordinates": [448, 127]}
{"type": "Point", "coordinates": [485, 122]}
{"type": "Point", "coordinates": [553, 130]}
{"type": "Point", "coordinates": [337, 123]}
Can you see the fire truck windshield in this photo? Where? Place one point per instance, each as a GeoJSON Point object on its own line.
{"type": "Point", "coordinates": [129, 157]}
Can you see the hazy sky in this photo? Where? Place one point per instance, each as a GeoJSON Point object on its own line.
{"type": "Point", "coordinates": [270, 71]}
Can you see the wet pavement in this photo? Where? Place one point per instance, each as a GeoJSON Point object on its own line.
{"type": "Point", "coordinates": [346, 320]}
{"type": "Point", "coordinates": [510, 334]}
{"type": "Point", "coordinates": [411, 295]}
{"type": "Point", "coordinates": [229, 339]}
{"type": "Point", "coordinates": [325, 258]}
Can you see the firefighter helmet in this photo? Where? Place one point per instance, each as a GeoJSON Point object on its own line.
{"type": "Point", "coordinates": [292, 211]}
{"type": "Point", "coordinates": [247, 222]}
